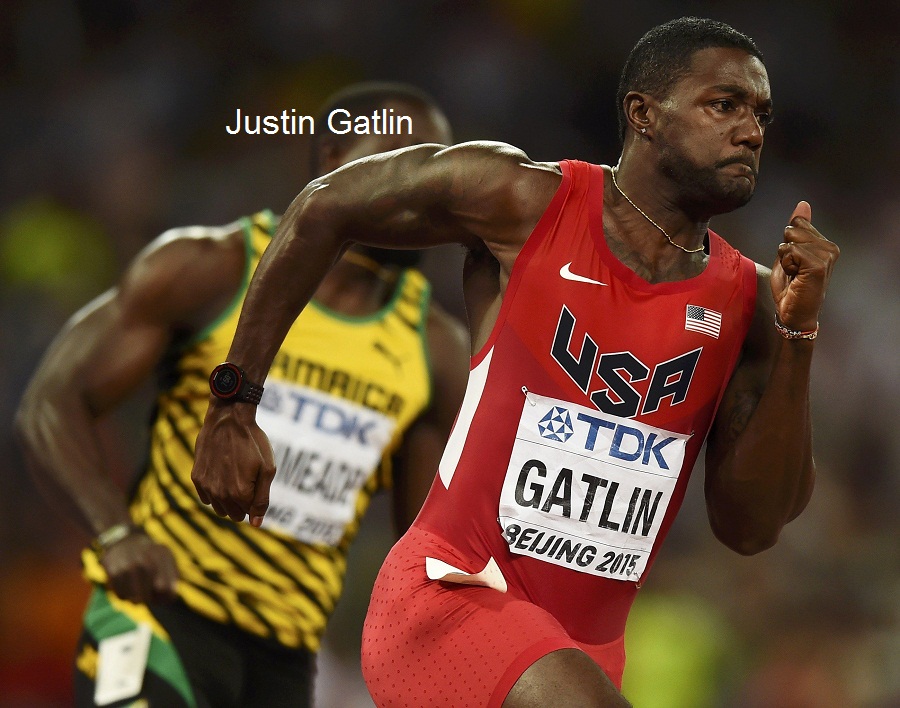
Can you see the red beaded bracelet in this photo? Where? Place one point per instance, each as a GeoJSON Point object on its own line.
{"type": "Point", "coordinates": [795, 333]}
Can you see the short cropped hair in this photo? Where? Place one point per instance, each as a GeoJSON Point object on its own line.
{"type": "Point", "coordinates": [362, 99]}
{"type": "Point", "coordinates": [663, 56]}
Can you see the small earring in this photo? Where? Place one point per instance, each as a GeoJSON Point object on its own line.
{"type": "Point", "coordinates": [643, 131]}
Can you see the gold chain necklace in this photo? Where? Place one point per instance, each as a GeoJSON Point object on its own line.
{"type": "Point", "coordinates": [640, 211]}
{"type": "Point", "coordinates": [371, 265]}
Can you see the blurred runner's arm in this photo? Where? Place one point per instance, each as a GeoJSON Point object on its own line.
{"type": "Point", "coordinates": [104, 354]}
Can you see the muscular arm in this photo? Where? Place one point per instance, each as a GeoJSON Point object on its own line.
{"type": "Point", "coordinates": [411, 198]}
{"type": "Point", "coordinates": [423, 445]}
{"type": "Point", "coordinates": [759, 462]}
{"type": "Point", "coordinates": [104, 354]}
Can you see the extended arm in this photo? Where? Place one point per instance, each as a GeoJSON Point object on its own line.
{"type": "Point", "coordinates": [104, 354]}
{"type": "Point", "coordinates": [411, 198]}
{"type": "Point", "coordinates": [759, 464]}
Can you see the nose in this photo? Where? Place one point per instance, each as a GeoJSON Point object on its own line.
{"type": "Point", "coordinates": [749, 132]}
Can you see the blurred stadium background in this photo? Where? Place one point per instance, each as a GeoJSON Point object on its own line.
{"type": "Point", "coordinates": [112, 118]}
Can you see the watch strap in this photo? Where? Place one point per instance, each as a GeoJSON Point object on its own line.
{"type": "Point", "coordinates": [250, 393]}
{"type": "Point", "coordinates": [245, 391]}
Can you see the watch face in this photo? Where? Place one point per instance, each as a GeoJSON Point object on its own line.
{"type": "Point", "coordinates": [225, 380]}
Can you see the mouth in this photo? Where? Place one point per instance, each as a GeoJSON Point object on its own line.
{"type": "Point", "coordinates": [742, 167]}
{"type": "Point", "coordinates": [742, 170]}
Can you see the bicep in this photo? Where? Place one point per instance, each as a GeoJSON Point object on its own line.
{"type": "Point", "coordinates": [749, 379]}
{"type": "Point", "coordinates": [102, 355]}
{"type": "Point", "coordinates": [110, 347]}
{"type": "Point", "coordinates": [126, 348]}
{"type": "Point", "coordinates": [430, 195]}
{"type": "Point", "coordinates": [735, 410]}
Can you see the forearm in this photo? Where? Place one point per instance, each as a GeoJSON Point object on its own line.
{"type": "Point", "coordinates": [385, 201]}
{"type": "Point", "coordinates": [300, 254]}
{"type": "Point", "coordinates": [764, 477]}
{"type": "Point", "coordinates": [65, 458]}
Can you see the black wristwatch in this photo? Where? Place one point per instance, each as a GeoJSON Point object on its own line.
{"type": "Point", "coordinates": [227, 383]}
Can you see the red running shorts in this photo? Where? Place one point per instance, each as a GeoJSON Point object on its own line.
{"type": "Point", "coordinates": [435, 643]}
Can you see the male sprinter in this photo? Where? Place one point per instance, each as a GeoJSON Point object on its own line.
{"type": "Point", "coordinates": [613, 334]}
{"type": "Point", "coordinates": [361, 396]}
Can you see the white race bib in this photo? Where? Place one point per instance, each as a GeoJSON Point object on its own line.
{"type": "Point", "coordinates": [121, 663]}
{"type": "Point", "coordinates": [325, 449]}
{"type": "Point", "coordinates": [587, 490]}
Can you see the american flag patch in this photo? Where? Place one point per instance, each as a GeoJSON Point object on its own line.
{"type": "Point", "coordinates": [703, 320]}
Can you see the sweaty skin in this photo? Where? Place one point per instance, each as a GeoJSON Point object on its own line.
{"type": "Point", "coordinates": [686, 158]}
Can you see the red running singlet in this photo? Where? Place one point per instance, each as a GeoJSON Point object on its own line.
{"type": "Point", "coordinates": [584, 414]}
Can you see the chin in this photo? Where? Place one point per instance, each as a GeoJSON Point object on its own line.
{"type": "Point", "coordinates": [734, 196]}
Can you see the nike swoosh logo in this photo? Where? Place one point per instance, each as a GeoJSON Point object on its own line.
{"type": "Point", "coordinates": [387, 354]}
{"type": "Point", "coordinates": [569, 275]}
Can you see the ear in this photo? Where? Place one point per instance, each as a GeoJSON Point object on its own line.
{"type": "Point", "coordinates": [331, 155]}
{"type": "Point", "coordinates": [640, 112]}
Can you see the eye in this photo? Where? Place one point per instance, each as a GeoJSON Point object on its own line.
{"type": "Point", "coordinates": [764, 119]}
{"type": "Point", "coordinates": [723, 104]}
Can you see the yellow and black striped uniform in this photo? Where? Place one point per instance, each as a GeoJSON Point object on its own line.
{"type": "Point", "coordinates": [263, 581]}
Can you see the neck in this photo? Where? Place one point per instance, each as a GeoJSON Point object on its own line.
{"type": "Point", "coordinates": [641, 246]}
{"type": "Point", "coordinates": [649, 206]}
{"type": "Point", "coordinates": [357, 285]}
{"type": "Point", "coordinates": [371, 265]}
